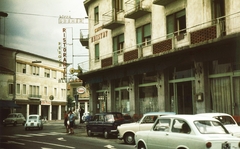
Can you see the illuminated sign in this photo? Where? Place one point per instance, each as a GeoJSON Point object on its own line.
{"type": "Point", "coordinates": [68, 20]}
{"type": "Point", "coordinates": [60, 54]}
{"type": "Point", "coordinates": [81, 89]}
{"type": "Point", "coordinates": [99, 36]}
{"type": "Point", "coordinates": [64, 53]}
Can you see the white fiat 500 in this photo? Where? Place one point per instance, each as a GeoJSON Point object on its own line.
{"type": "Point", "coordinates": [34, 121]}
{"type": "Point", "coordinates": [127, 131]}
{"type": "Point", "coordinates": [186, 132]}
{"type": "Point", "coordinates": [227, 120]}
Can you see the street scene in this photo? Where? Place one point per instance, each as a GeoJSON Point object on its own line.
{"type": "Point", "coordinates": [53, 136]}
{"type": "Point", "coordinates": [120, 74]}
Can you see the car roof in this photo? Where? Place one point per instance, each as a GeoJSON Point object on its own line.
{"type": "Point", "coordinates": [214, 114]}
{"type": "Point", "coordinates": [189, 117]}
{"type": "Point", "coordinates": [34, 115]}
{"type": "Point", "coordinates": [160, 113]}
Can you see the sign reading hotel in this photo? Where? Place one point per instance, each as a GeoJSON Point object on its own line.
{"type": "Point", "coordinates": [68, 20]}
{"type": "Point", "coordinates": [64, 52]}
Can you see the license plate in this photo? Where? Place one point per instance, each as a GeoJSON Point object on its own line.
{"type": "Point", "coordinates": [226, 145]}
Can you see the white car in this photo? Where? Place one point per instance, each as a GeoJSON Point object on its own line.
{"type": "Point", "coordinates": [227, 120]}
{"type": "Point", "coordinates": [186, 132]}
{"type": "Point", "coordinates": [34, 121]}
{"type": "Point", "coordinates": [127, 131]}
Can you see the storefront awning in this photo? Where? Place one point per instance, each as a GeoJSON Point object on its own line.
{"type": "Point", "coordinates": [8, 104]}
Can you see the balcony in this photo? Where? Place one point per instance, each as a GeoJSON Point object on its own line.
{"type": "Point", "coordinates": [33, 96]}
{"type": "Point", "coordinates": [137, 9]}
{"type": "Point", "coordinates": [84, 38]}
{"type": "Point", "coordinates": [163, 2]}
{"type": "Point", "coordinates": [113, 19]}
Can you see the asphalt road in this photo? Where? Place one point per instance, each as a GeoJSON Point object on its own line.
{"type": "Point", "coordinates": [53, 136]}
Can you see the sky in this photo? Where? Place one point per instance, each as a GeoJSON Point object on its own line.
{"type": "Point", "coordinates": [32, 26]}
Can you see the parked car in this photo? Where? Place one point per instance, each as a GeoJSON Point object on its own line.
{"type": "Point", "coordinates": [104, 123]}
{"type": "Point", "coordinates": [14, 119]}
{"type": "Point", "coordinates": [186, 132]}
{"type": "Point", "coordinates": [127, 131]}
{"type": "Point", "coordinates": [34, 121]}
{"type": "Point", "coordinates": [227, 120]}
{"type": "Point", "coordinates": [127, 118]}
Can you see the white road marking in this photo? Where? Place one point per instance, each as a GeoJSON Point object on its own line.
{"type": "Point", "coordinates": [109, 146]}
{"type": "Point", "coordinates": [61, 139]}
{"type": "Point", "coordinates": [53, 144]}
{"type": "Point", "coordinates": [13, 142]}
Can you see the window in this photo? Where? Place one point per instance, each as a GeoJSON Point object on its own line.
{"type": "Point", "coordinates": [96, 15]}
{"type": "Point", "coordinates": [21, 67]}
{"type": "Point", "coordinates": [54, 72]}
{"type": "Point", "coordinates": [218, 11]}
{"type": "Point", "coordinates": [34, 90]}
{"type": "Point", "coordinates": [24, 89]}
{"type": "Point", "coordinates": [97, 52]}
{"type": "Point", "coordinates": [118, 5]}
{"type": "Point", "coordinates": [34, 70]}
{"type": "Point", "coordinates": [10, 89]}
{"type": "Point", "coordinates": [45, 91]}
{"type": "Point", "coordinates": [162, 125]}
{"type": "Point", "coordinates": [144, 35]}
{"type": "Point", "coordinates": [118, 43]}
{"type": "Point", "coordinates": [18, 88]}
{"type": "Point", "coordinates": [176, 23]}
{"type": "Point", "coordinates": [47, 73]}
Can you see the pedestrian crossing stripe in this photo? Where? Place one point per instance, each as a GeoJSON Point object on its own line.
{"type": "Point", "coordinates": [38, 134]}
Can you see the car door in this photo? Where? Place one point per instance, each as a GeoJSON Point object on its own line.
{"type": "Point", "coordinates": [147, 122]}
{"type": "Point", "coordinates": [180, 134]}
{"type": "Point", "coordinates": [158, 136]}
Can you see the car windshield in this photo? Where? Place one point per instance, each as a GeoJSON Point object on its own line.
{"type": "Point", "coordinates": [32, 117]}
{"type": "Point", "coordinates": [225, 120]}
{"type": "Point", "coordinates": [210, 127]}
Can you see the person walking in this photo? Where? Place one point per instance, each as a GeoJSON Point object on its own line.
{"type": "Point", "coordinates": [81, 112]}
{"type": "Point", "coordinates": [71, 121]}
{"type": "Point", "coordinates": [66, 120]}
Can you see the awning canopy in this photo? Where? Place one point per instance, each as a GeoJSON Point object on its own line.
{"type": "Point", "coordinates": [8, 104]}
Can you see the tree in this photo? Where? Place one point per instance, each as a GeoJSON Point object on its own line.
{"type": "Point", "coordinates": [70, 103]}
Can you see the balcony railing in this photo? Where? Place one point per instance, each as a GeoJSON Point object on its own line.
{"type": "Point", "coordinates": [33, 96]}
{"type": "Point", "coordinates": [197, 35]}
{"type": "Point", "coordinates": [113, 19]}
{"type": "Point", "coordinates": [84, 37]}
{"type": "Point", "coordinates": [136, 10]}
{"type": "Point", "coordinates": [163, 2]}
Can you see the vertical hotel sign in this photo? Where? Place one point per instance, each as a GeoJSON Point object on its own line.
{"type": "Point", "coordinates": [64, 52]}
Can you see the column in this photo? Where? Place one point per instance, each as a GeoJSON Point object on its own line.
{"type": "Point", "coordinates": [59, 112]}
{"type": "Point", "coordinates": [27, 114]}
{"type": "Point", "coordinates": [39, 109]}
{"type": "Point", "coordinates": [50, 112]}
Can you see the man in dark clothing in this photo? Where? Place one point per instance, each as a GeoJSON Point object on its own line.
{"type": "Point", "coordinates": [81, 111]}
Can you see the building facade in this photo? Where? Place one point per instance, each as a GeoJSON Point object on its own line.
{"type": "Point", "coordinates": [36, 85]}
{"type": "Point", "coordinates": [156, 55]}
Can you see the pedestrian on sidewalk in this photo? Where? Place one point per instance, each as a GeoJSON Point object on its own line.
{"type": "Point", "coordinates": [66, 120]}
{"type": "Point", "coordinates": [71, 121]}
{"type": "Point", "coordinates": [81, 111]}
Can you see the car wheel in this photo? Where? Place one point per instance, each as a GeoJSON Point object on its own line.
{"type": "Point", "coordinates": [141, 146]}
{"type": "Point", "coordinates": [129, 138]}
{"type": "Point", "coordinates": [89, 133]}
{"type": "Point", "coordinates": [106, 134]}
{"type": "Point", "coordinates": [15, 123]}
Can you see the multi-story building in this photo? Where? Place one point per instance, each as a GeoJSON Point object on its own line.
{"type": "Point", "coordinates": [163, 55]}
{"type": "Point", "coordinates": [36, 84]}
